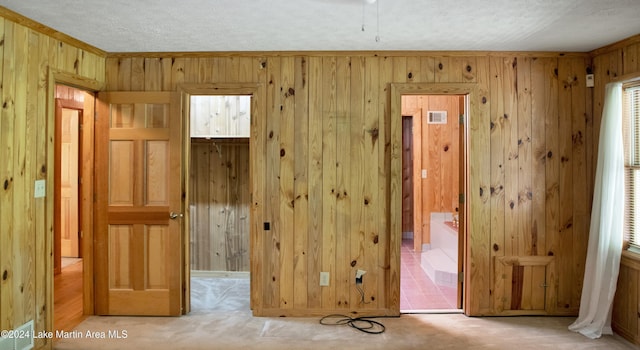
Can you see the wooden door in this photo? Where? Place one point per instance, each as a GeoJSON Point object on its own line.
{"type": "Point", "coordinates": [67, 174]}
{"type": "Point", "coordinates": [462, 189]}
{"type": "Point", "coordinates": [69, 151]}
{"type": "Point", "coordinates": [139, 228]}
{"type": "Point", "coordinates": [407, 175]}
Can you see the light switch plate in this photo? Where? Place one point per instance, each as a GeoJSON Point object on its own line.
{"type": "Point", "coordinates": [324, 279]}
{"type": "Point", "coordinates": [40, 189]}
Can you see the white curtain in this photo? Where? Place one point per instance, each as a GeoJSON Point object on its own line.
{"type": "Point", "coordinates": [607, 215]}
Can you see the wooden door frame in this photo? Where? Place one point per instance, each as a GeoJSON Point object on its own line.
{"type": "Point", "coordinates": [471, 93]}
{"type": "Point", "coordinates": [54, 78]}
{"type": "Point", "coordinates": [256, 166]}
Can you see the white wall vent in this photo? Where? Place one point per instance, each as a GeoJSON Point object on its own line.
{"type": "Point", "coordinates": [7, 343]}
{"type": "Point", "coordinates": [437, 117]}
{"type": "Point", "coordinates": [25, 343]}
{"type": "Point", "coordinates": [21, 340]}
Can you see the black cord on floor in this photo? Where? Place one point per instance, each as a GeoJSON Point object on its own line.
{"type": "Point", "coordinates": [363, 324]}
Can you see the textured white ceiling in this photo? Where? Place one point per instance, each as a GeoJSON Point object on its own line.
{"type": "Point", "coordinates": [302, 25]}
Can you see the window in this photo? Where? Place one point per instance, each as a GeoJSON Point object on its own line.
{"type": "Point", "coordinates": [631, 125]}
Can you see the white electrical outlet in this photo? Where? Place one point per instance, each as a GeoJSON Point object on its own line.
{"type": "Point", "coordinates": [40, 189]}
{"type": "Point", "coordinates": [324, 279]}
{"type": "Point", "coordinates": [424, 173]}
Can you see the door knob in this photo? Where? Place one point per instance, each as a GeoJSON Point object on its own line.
{"type": "Point", "coordinates": [174, 216]}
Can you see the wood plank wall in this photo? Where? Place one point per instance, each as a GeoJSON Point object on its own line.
{"type": "Point", "coordinates": [618, 60]}
{"type": "Point", "coordinates": [534, 133]}
{"type": "Point", "coordinates": [220, 201]}
{"type": "Point", "coordinates": [626, 305]}
{"type": "Point", "coordinates": [220, 116]}
{"type": "Point", "coordinates": [440, 157]}
{"type": "Point", "coordinates": [327, 166]}
{"type": "Point", "coordinates": [25, 156]}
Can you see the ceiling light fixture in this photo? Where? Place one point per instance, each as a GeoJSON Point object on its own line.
{"type": "Point", "coordinates": [364, 3]}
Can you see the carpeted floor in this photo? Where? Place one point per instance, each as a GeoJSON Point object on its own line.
{"type": "Point", "coordinates": [221, 319]}
{"type": "Point", "coordinates": [210, 294]}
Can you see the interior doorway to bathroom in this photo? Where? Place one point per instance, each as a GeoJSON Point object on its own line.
{"type": "Point", "coordinates": [432, 153]}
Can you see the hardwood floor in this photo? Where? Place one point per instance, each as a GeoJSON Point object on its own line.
{"type": "Point", "coordinates": [67, 295]}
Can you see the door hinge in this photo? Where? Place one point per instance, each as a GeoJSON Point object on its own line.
{"type": "Point", "coordinates": [461, 198]}
{"type": "Point", "coordinates": [461, 276]}
{"type": "Point", "coordinates": [461, 118]}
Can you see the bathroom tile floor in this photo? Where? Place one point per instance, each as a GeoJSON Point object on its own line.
{"type": "Point", "coordinates": [417, 291]}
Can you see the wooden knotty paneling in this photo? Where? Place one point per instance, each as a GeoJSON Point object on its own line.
{"type": "Point", "coordinates": [325, 187]}
{"type": "Point", "coordinates": [625, 318]}
{"type": "Point", "coordinates": [325, 183]}
{"type": "Point", "coordinates": [220, 201]}
{"type": "Point", "coordinates": [220, 116]}
{"type": "Point", "coordinates": [26, 153]}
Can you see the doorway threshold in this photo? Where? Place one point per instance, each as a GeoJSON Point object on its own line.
{"type": "Point", "coordinates": [220, 274]}
{"type": "Point", "coordinates": [432, 311]}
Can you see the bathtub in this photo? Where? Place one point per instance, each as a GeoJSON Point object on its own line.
{"type": "Point", "coordinates": [440, 259]}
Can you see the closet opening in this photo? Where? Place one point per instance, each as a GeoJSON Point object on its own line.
{"type": "Point", "coordinates": [219, 201]}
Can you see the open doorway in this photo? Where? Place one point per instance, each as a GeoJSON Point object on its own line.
{"type": "Point", "coordinates": [72, 204]}
{"type": "Point", "coordinates": [219, 201]}
{"type": "Point", "coordinates": [432, 174]}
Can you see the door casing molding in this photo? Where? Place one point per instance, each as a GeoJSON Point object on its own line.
{"type": "Point", "coordinates": [257, 138]}
{"type": "Point", "coordinates": [55, 77]}
{"type": "Point", "coordinates": [471, 93]}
